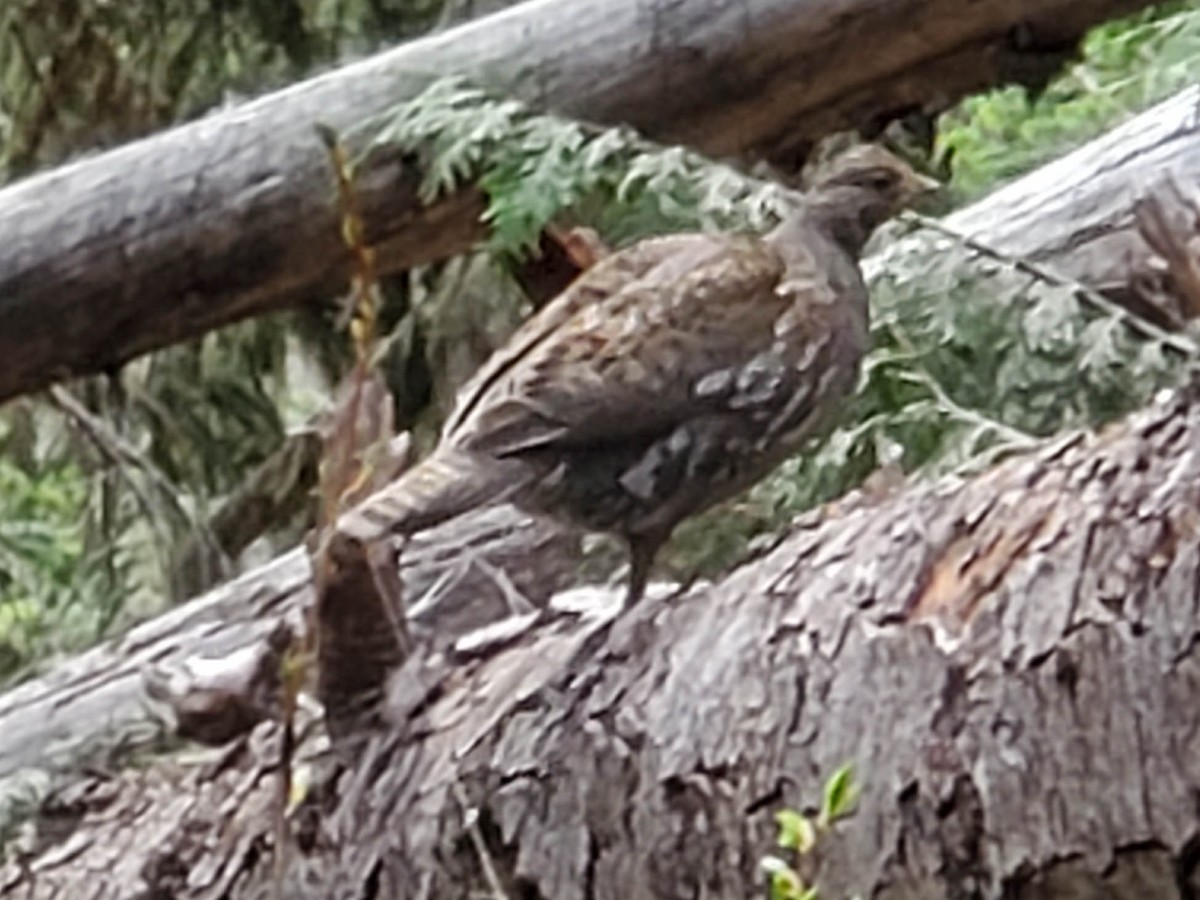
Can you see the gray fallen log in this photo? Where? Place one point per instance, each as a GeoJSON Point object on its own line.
{"type": "Point", "coordinates": [94, 706]}
{"type": "Point", "coordinates": [233, 215]}
{"type": "Point", "coordinates": [96, 700]}
{"type": "Point", "coordinates": [1010, 662]}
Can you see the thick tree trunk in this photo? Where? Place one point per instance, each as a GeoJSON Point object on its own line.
{"type": "Point", "coordinates": [1010, 663]}
{"type": "Point", "coordinates": [232, 216]}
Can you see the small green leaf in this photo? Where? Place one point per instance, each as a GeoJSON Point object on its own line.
{"type": "Point", "coordinates": [786, 883]}
{"type": "Point", "coordinates": [796, 831]}
{"type": "Point", "coordinates": [841, 793]}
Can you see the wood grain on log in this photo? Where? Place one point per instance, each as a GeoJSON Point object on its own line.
{"type": "Point", "coordinates": [233, 215]}
{"type": "Point", "coordinates": [1010, 662]}
{"type": "Point", "coordinates": [90, 705]}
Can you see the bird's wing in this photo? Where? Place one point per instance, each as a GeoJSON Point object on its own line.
{"type": "Point", "coordinates": [603, 280]}
{"type": "Point", "coordinates": [620, 358]}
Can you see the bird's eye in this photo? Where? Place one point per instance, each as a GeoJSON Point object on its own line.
{"type": "Point", "coordinates": [881, 180]}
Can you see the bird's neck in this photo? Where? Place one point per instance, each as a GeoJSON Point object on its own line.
{"type": "Point", "coordinates": [831, 234]}
{"type": "Point", "coordinates": [846, 216]}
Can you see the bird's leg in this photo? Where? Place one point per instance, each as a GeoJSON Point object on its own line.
{"type": "Point", "coordinates": [642, 550]}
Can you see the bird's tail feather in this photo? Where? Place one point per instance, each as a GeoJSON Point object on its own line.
{"type": "Point", "coordinates": [446, 484]}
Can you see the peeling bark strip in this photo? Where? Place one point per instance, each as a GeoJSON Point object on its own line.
{"type": "Point", "coordinates": [1011, 664]}
{"type": "Point", "coordinates": [232, 216]}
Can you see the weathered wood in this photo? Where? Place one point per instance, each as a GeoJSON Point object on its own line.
{"type": "Point", "coordinates": [87, 706]}
{"type": "Point", "coordinates": [96, 699]}
{"type": "Point", "coordinates": [1011, 663]}
{"type": "Point", "coordinates": [232, 216]}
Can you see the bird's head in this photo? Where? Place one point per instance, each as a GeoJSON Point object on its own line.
{"type": "Point", "coordinates": [860, 189]}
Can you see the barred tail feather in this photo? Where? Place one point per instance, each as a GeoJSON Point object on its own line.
{"type": "Point", "coordinates": [446, 484]}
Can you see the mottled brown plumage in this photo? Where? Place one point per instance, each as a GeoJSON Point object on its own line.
{"type": "Point", "coordinates": [666, 378]}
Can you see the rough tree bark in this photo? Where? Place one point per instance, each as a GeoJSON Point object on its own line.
{"type": "Point", "coordinates": [91, 706]}
{"type": "Point", "coordinates": [1010, 662]}
{"type": "Point", "coordinates": [231, 216]}
{"type": "Point", "coordinates": [96, 701]}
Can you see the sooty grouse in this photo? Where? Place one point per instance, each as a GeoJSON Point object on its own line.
{"type": "Point", "coordinates": [669, 376]}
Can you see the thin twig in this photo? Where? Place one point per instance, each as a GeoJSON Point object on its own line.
{"type": "Point", "coordinates": [123, 455]}
{"type": "Point", "coordinates": [1011, 438]}
{"type": "Point", "coordinates": [919, 374]}
{"type": "Point", "coordinates": [1013, 435]}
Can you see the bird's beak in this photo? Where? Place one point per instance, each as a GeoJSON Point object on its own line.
{"type": "Point", "coordinates": [920, 191]}
{"type": "Point", "coordinates": [919, 185]}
